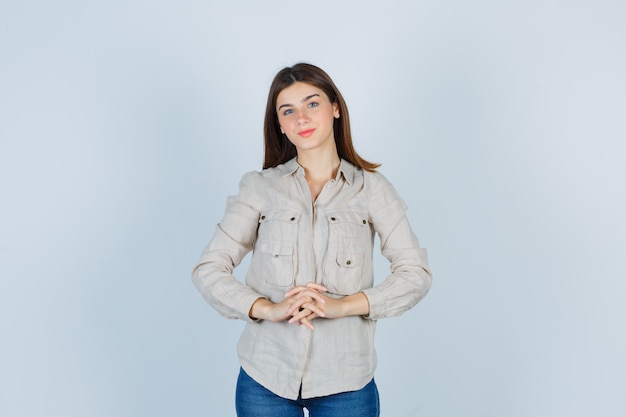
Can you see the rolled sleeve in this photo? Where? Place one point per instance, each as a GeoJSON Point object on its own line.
{"type": "Point", "coordinates": [410, 278]}
{"type": "Point", "coordinates": [233, 239]}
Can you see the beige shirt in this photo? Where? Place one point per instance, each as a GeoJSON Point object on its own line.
{"type": "Point", "coordinates": [295, 241]}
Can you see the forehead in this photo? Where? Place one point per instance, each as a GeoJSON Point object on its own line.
{"type": "Point", "coordinates": [297, 92]}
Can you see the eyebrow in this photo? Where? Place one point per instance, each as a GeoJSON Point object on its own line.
{"type": "Point", "coordinates": [307, 98]}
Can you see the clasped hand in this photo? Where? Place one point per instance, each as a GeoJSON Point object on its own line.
{"type": "Point", "coordinates": [304, 303]}
{"type": "Point", "coordinates": [308, 302]}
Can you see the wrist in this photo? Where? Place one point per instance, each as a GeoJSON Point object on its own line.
{"type": "Point", "coordinates": [259, 309]}
{"type": "Point", "coordinates": [354, 305]}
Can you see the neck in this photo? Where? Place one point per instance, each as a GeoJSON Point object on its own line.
{"type": "Point", "coordinates": [319, 167]}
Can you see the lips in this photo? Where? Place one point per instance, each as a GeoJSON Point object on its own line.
{"type": "Point", "coordinates": [306, 133]}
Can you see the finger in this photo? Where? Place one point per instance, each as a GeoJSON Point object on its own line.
{"type": "Point", "coordinates": [306, 295]}
{"type": "Point", "coordinates": [299, 315]}
{"type": "Point", "coordinates": [298, 304]}
{"type": "Point", "coordinates": [316, 286]}
{"type": "Point", "coordinates": [311, 316]}
{"type": "Point", "coordinates": [306, 323]}
{"type": "Point", "coordinates": [299, 310]}
{"type": "Point", "coordinates": [294, 291]}
{"type": "Point", "coordinates": [307, 320]}
{"type": "Point", "coordinates": [313, 295]}
{"type": "Point", "coordinates": [310, 286]}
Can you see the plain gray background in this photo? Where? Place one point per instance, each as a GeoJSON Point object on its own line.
{"type": "Point", "coordinates": [124, 125]}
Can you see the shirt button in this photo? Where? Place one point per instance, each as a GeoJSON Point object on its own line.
{"type": "Point", "coordinates": [364, 221]}
{"type": "Point", "coordinates": [333, 219]}
{"type": "Point", "coordinates": [348, 262]}
{"type": "Point", "coordinates": [292, 219]}
{"type": "Point", "coordinates": [262, 217]}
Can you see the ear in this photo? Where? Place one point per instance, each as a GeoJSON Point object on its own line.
{"type": "Point", "coordinates": [336, 110]}
{"type": "Point", "coordinates": [281, 130]}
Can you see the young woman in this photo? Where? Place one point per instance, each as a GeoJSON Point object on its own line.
{"type": "Point", "coordinates": [309, 297]}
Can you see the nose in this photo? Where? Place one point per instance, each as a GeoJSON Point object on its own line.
{"type": "Point", "coordinates": [302, 118]}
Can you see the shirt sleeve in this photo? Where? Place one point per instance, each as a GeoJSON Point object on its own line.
{"type": "Point", "coordinates": [410, 278]}
{"type": "Point", "coordinates": [234, 238]}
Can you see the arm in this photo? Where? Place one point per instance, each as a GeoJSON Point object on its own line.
{"type": "Point", "coordinates": [410, 277]}
{"type": "Point", "coordinates": [233, 239]}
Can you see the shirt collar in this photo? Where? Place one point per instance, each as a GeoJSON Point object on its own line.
{"type": "Point", "coordinates": [345, 168]}
{"type": "Point", "coordinates": [289, 167]}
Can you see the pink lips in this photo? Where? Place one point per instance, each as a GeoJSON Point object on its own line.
{"type": "Point", "coordinates": [306, 133]}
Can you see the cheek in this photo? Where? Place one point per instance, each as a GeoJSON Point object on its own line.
{"type": "Point", "coordinates": [287, 124]}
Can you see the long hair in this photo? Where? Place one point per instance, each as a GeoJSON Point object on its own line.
{"type": "Point", "coordinates": [278, 149]}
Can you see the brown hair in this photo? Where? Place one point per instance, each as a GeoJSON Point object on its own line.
{"type": "Point", "coordinates": [278, 149]}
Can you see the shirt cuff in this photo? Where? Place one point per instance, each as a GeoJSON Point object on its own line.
{"type": "Point", "coordinates": [376, 300]}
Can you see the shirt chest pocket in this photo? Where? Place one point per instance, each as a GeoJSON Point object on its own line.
{"type": "Point", "coordinates": [275, 257]}
{"type": "Point", "coordinates": [349, 245]}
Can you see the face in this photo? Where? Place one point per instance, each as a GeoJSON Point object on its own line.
{"type": "Point", "coordinates": [306, 116]}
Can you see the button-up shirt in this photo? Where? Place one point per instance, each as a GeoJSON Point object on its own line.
{"type": "Point", "coordinates": [296, 240]}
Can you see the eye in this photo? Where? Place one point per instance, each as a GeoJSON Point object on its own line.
{"type": "Point", "coordinates": [313, 104]}
{"type": "Point", "coordinates": [287, 112]}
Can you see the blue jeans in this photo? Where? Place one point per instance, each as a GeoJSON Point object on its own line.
{"type": "Point", "coordinates": [254, 400]}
